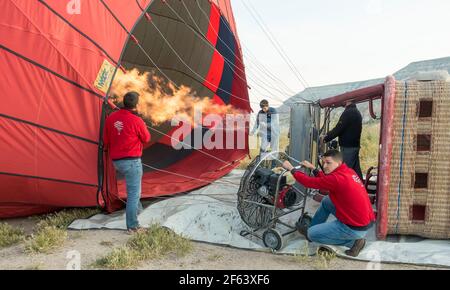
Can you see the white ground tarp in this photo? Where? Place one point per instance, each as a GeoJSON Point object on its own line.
{"type": "Point", "coordinates": [210, 215]}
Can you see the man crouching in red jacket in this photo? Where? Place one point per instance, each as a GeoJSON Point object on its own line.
{"type": "Point", "coordinates": [125, 136]}
{"type": "Point", "coordinates": [348, 201]}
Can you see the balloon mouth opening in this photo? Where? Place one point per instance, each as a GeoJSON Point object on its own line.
{"type": "Point", "coordinates": [173, 70]}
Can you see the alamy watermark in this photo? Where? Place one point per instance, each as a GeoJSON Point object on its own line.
{"type": "Point", "coordinates": [74, 260]}
{"type": "Point", "coordinates": [222, 132]}
{"type": "Point", "coordinates": [211, 131]}
{"type": "Point", "coordinates": [74, 7]}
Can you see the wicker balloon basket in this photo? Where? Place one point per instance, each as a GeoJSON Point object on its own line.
{"type": "Point", "coordinates": [419, 190]}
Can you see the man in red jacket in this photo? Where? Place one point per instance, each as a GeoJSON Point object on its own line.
{"type": "Point", "coordinates": [348, 201]}
{"type": "Point", "coordinates": [125, 136]}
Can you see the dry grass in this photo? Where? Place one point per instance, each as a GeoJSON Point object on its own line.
{"type": "Point", "coordinates": [10, 236]}
{"type": "Point", "coordinates": [303, 255]}
{"type": "Point", "coordinates": [324, 258]}
{"type": "Point", "coordinates": [34, 267]}
{"type": "Point", "coordinates": [152, 244]}
{"type": "Point", "coordinates": [321, 259]}
{"type": "Point", "coordinates": [50, 232]}
{"type": "Point", "coordinates": [106, 243]}
{"type": "Point", "coordinates": [45, 240]}
{"type": "Point", "coordinates": [120, 258]}
{"type": "Point", "coordinates": [64, 218]}
{"type": "Point", "coordinates": [370, 140]}
{"type": "Point", "coordinates": [215, 258]}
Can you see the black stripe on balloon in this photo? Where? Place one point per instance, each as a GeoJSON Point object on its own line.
{"type": "Point", "coordinates": [48, 179]}
{"type": "Point", "coordinates": [78, 30]}
{"type": "Point", "coordinates": [48, 129]}
{"type": "Point", "coordinates": [114, 16]}
{"type": "Point", "coordinates": [225, 48]}
{"type": "Point", "coordinates": [51, 71]}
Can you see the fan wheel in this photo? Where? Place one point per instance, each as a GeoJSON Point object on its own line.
{"type": "Point", "coordinates": [273, 239]}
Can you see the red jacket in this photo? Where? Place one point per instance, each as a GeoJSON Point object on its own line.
{"type": "Point", "coordinates": [125, 135]}
{"type": "Point", "coordinates": [347, 193]}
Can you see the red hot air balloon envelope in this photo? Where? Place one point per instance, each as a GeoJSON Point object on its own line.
{"type": "Point", "coordinates": [58, 59]}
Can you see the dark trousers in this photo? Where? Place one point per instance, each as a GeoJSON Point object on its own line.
{"type": "Point", "coordinates": [351, 158]}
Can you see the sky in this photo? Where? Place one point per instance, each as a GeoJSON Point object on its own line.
{"type": "Point", "coordinates": [332, 41]}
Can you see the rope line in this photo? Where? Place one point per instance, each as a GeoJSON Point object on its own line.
{"type": "Point", "coordinates": [399, 192]}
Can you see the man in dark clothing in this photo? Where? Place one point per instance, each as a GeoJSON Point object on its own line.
{"type": "Point", "coordinates": [349, 130]}
{"type": "Point", "coordinates": [125, 136]}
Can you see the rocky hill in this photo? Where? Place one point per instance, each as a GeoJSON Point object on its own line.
{"type": "Point", "coordinates": [316, 93]}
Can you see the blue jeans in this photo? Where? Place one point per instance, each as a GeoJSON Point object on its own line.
{"type": "Point", "coordinates": [132, 171]}
{"type": "Point", "coordinates": [331, 233]}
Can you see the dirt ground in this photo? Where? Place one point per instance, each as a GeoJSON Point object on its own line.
{"type": "Point", "coordinates": [92, 245]}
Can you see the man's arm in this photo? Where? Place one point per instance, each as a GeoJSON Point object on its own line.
{"type": "Point", "coordinates": [275, 126]}
{"type": "Point", "coordinates": [143, 133]}
{"type": "Point", "coordinates": [337, 131]}
{"type": "Point", "coordinates": [256, 126]}
{"type": "Point", "coordinates": [322, 181]}
{"type": "Point", "coordinates": [318, 173]}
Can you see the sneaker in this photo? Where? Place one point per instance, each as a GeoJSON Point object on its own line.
{"type": "Point", "coordinates": [357, 248]}
{"type": "Point", "coordinates": [302, 226]}
{"type": "Point", "coordinates": [318, 198]}
{"type": "Point", "coordinates": [301, 229]}
{"type": "Point", "coordinates": [137, 230]}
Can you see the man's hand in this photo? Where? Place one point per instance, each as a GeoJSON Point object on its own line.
{"type": "Point", "coordinates": [322, 139]}
{"type": "Point", "coordinates": [308, 165]}
{"type": "Point", "coordinates": [287, 165]}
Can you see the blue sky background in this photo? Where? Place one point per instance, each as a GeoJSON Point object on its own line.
{"type": "Point", "coordinates": [334, 41]}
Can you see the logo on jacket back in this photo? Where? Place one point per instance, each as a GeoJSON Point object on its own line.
{"type": "Point", "coordinates": [119, 126]}
{"type": "Point", "coordinates": [357, 180]}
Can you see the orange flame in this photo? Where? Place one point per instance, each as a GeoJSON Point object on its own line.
{"type": "Point", "coordinates": [160, 101]}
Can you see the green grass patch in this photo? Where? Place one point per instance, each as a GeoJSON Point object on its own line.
{"type": "Point", "coordinates": [45, 240]}
{"type": "Point", "coordinates": [10, 236]}
{"type": "Point", "coordinates": [50, 232]}
{"type": "Point", "coordinates": [120, 258]}
{"type": "Point", "coordinates": [64, 218]}
{"type": "Point", "coordinates": [152, 244]}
